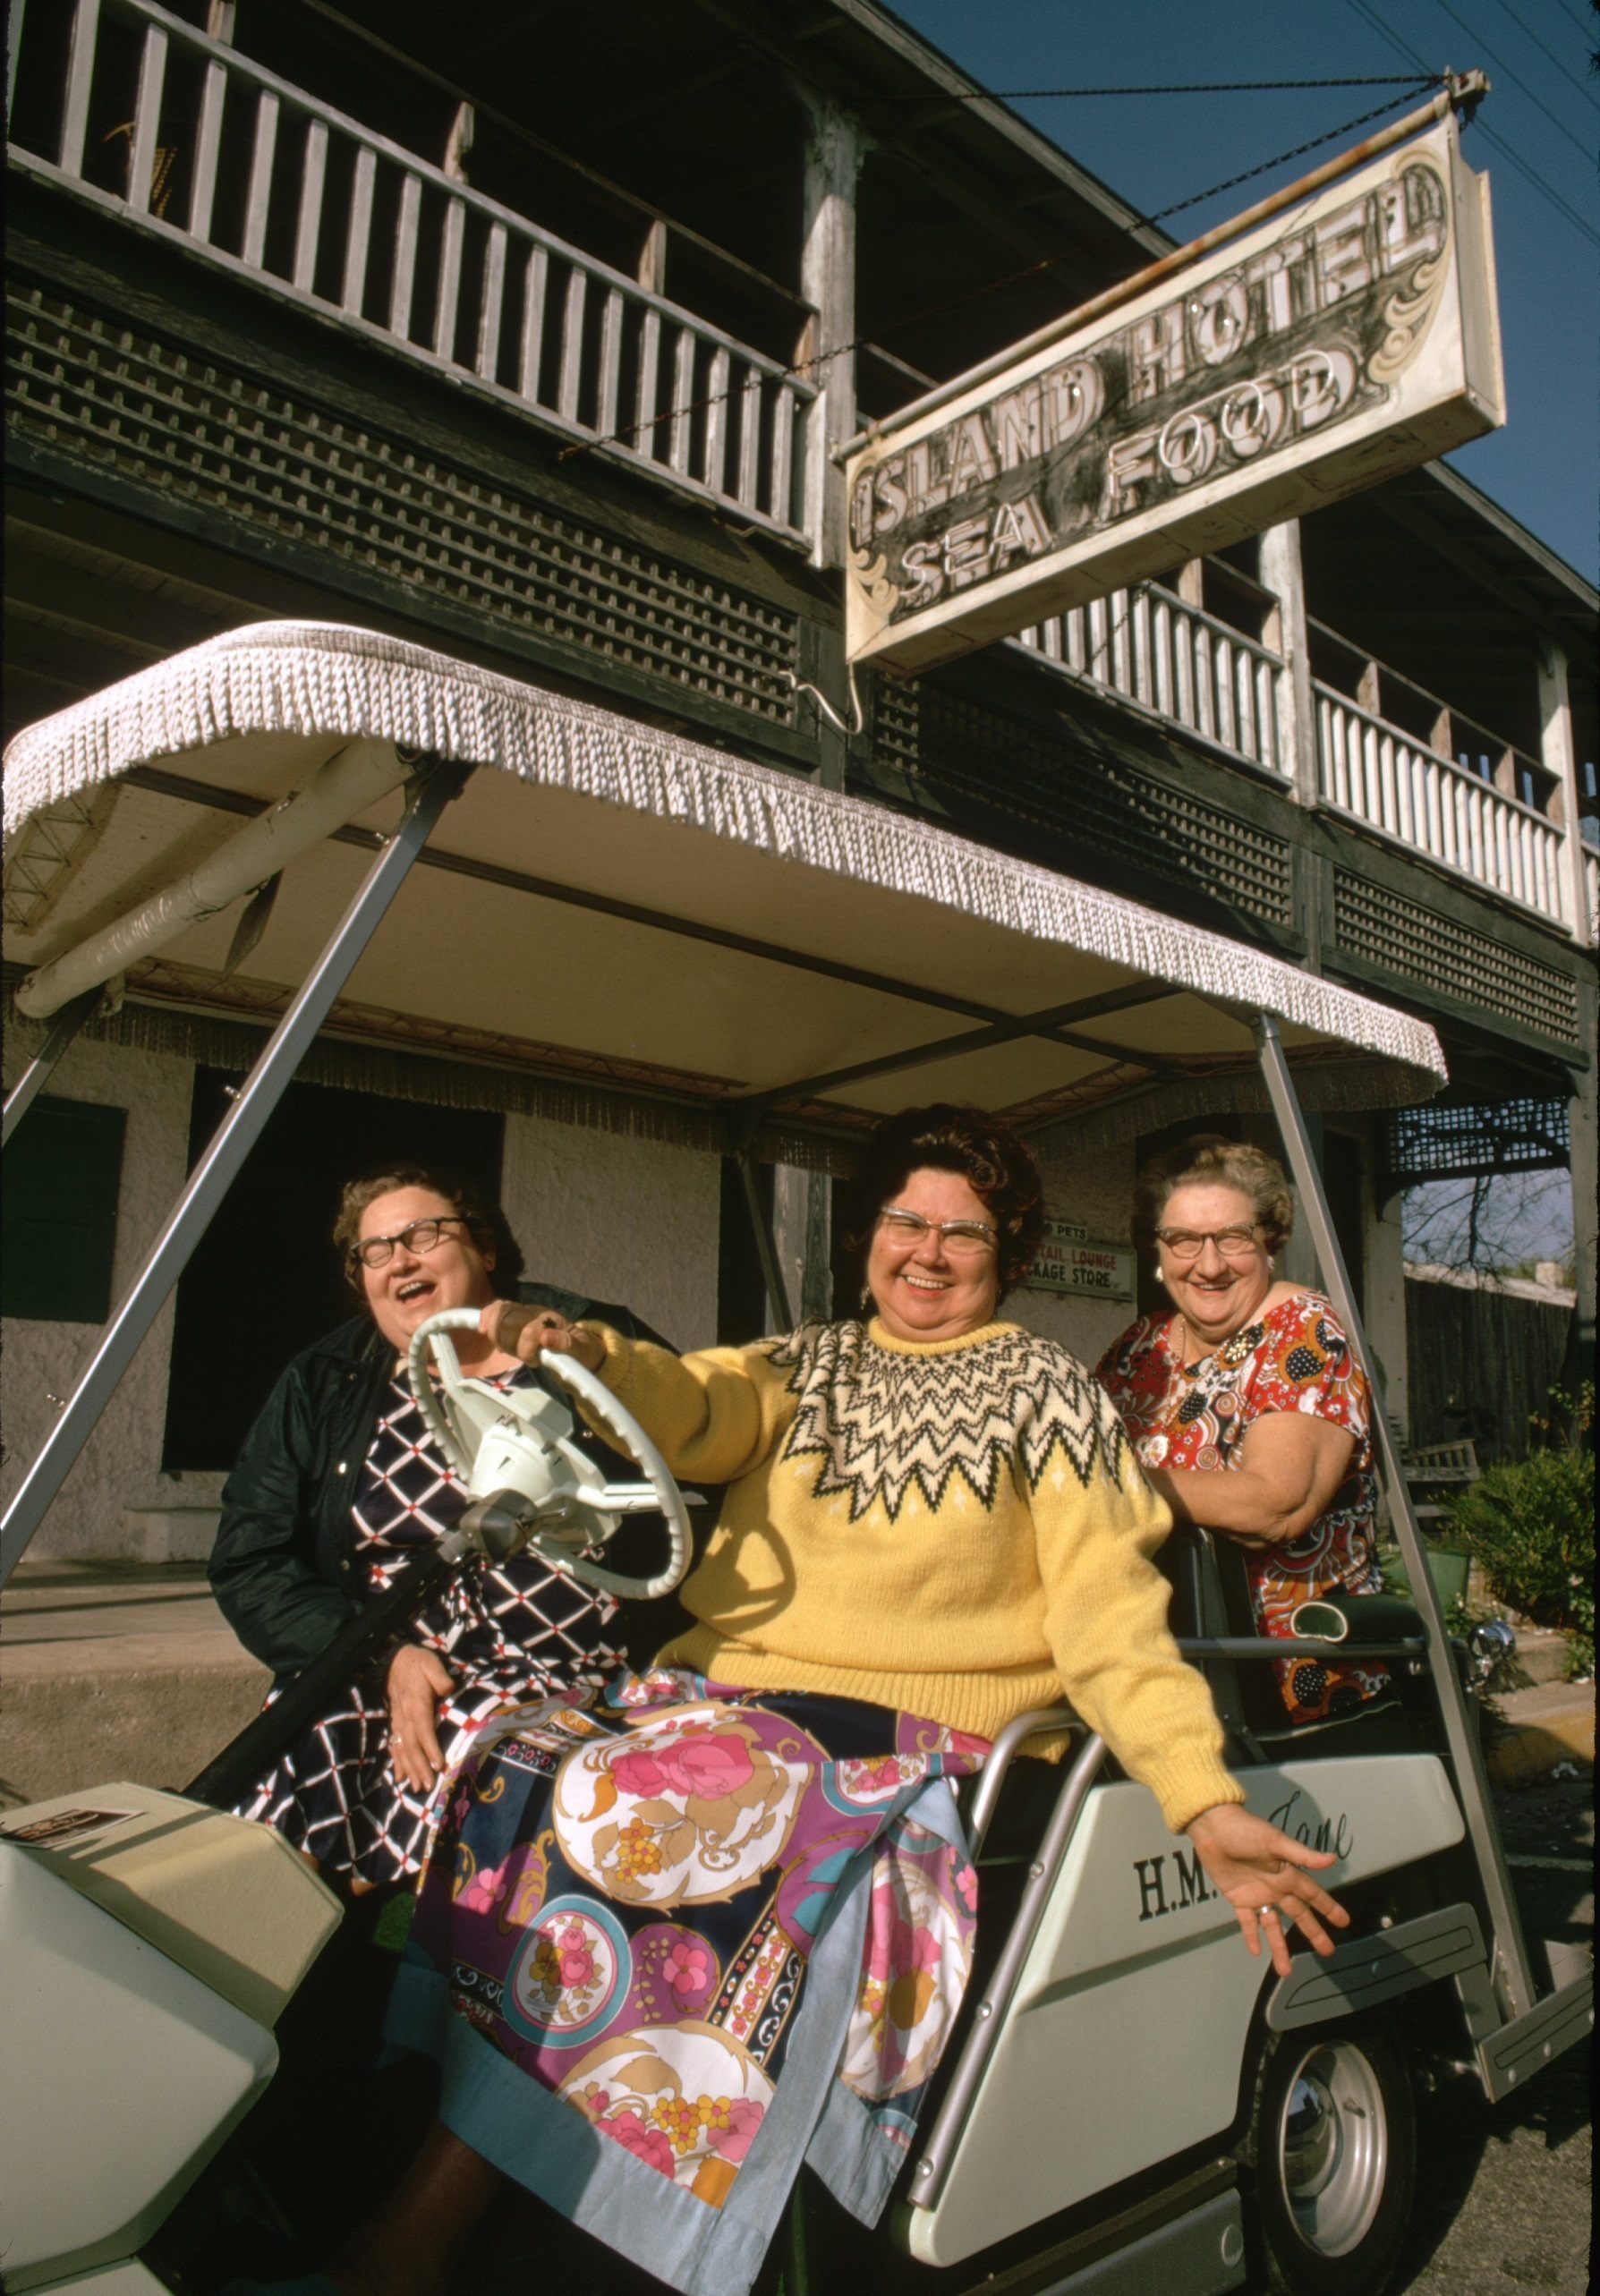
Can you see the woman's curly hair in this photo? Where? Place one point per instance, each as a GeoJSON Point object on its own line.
{"type": "Point", "coordinates": [490, 1229]}
{"type": "Point", "coordinates": [991, 1158]}
{"type": "Point", "coordinates": [1210, 1159]}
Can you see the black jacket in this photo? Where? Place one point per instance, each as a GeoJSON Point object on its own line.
{"type": "Point", "coordinates": [284, 1568]}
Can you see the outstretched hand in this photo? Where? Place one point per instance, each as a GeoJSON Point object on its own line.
{"type": "Point", "coordinates": [522, 1332]}
{"type": "Point", "coordinates": [1266, 1877]}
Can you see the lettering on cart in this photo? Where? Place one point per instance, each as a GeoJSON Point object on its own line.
{"type": "Point", "coordinates": [1334, 1834]}
{"type": "Point", "coordinates": [1189, 1884]}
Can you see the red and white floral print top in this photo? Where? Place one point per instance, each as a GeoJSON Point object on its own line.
{"type": "Point", "coordinates": [1293, 1358]}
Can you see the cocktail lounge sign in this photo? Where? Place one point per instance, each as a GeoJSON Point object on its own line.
{"type": "Point", "coordinates": [1068, 1261]}
{"type": "Point", "coordinates": [1355, 338]}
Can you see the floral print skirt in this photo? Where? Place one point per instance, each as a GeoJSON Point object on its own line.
{"type": "Point", "coordinates": [674, 1938]}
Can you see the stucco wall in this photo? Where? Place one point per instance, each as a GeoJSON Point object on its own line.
{"type": "Point", "coordinates": [628, 1219]}
{"type": "Point", "coordinates": [99, 1510]}
{"type": "Point", "coordinates": [1093, 1188]}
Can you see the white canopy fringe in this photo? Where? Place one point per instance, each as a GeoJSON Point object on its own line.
{"type": "Point", "coordinates": [324, 681]}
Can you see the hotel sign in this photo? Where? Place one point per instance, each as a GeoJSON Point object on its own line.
{"type": "Point", "coordinates": [1067, 1261]}
{"type": "Point", "coordinates": [1354, 337]}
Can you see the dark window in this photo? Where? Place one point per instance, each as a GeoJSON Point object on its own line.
{"type": "Point", "coordinates": [63, 1166]}
{"type": "Point", "coordinates": [264, 1281]}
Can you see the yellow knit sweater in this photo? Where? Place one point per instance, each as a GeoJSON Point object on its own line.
{"type": "Point", "coordinates": [956, 1528]}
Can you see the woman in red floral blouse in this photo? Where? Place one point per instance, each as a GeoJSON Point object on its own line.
{"type": "Point", "coordinates": [1255, 1377]}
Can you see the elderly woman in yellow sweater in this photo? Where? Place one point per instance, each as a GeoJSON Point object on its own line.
{"type": "Point", "coordinates": [722, 1915]}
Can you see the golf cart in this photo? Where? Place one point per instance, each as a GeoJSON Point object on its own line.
{"type": "Point", "coordinates": [1128, 2099]}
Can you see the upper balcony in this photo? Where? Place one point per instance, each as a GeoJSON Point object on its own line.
{"type": "Point", "coordinates": [179, 134]}
{"type": "Point", "coordinates": [1390, 757]}
{"type": "Point", "coordinates": [187, 137]}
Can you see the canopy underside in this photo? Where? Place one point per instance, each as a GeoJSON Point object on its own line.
{"type": "Point", "coordinates": [611, 902]}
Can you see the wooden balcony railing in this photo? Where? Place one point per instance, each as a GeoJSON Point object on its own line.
{"type": "Point", "coordinates": [1152, 647]}
{"type": "Point", "coordinates": [1395, 784]}
{"type": "Point", "coordinates": [137, 110]}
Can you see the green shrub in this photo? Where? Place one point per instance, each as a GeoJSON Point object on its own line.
{"type": "Point", "coordinates": [1531, 1525]}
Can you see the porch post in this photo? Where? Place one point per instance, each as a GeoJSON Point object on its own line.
{"type": "Point", "coordinates": [802, 1226]}
{"type": "Point", "coordinates": [1578, 1365]}
{"type": "Point", "coordinates": [218, 1168]}
{"type": "Point", "coordinates": [1555, 748]}
{"type": "Point", "coordinates": [1281, 572]}
{"type": "Point", "coordinates": [766, 1248]}
{"type": "Point", "coordinates": [833, 157]}
{"type": "Point", "coordinates": [1513, 1977]}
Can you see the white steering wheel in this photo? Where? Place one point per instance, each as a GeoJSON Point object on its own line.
{"type": "Point", "coordinates": [514, 1445]}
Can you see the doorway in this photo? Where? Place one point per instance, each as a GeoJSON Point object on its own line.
{"type": "Point", "coordinates": [264, 1281]}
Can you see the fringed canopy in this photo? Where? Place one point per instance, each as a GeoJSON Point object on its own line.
{"type": "Point", "coordinates": [635, 913]}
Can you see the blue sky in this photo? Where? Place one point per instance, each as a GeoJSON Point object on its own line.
{"type": "Point", "coordinates": [1545, 466]}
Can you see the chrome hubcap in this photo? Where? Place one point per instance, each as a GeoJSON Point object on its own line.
{"type": "Point", "coordinates": [1333, 2146]}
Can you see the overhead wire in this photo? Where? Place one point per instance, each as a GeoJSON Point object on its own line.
{"type": "Point", "coordinates": [1497, 143]}
{"type": "Point", "coordinates": [1566, 72]}
{"type": "Point", "coordinates": [1165, 87]}
{"type": "Point", "coordinates": [630, 437]}
{"type": "Point", "coordinates": [1515, 77]}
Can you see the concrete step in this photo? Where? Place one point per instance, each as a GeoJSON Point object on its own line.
{"type": "Point", "coordinates": [128, 1672]}
{"type": "Point", "coordinates": [1547, 1727]}
{"type": "Point", "coordinates": [1542, 1655]}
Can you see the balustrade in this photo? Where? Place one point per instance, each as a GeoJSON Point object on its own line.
{"type": "Point", "coordinates": [1393, 783]}
{"type": "Point", "coordinates": [1152, 647]}
{"type": "Point", "coordinates": [258, 176]}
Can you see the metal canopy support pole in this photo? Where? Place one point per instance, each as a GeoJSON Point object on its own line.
{"type": "Point", "coordinates": [1513, 1975]}
{"type": "Point", "coordinates": [64, 1028]}
{"type": "Point", "coordinates": [214, 1174]}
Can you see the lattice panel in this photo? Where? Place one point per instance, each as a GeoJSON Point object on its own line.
{"type": "Point", "coordinates": [175, 421]}
{"type": "Point", "coordinates": [1442, 1144]}
{"type": "Point", "coordinates": [1108, 805]}
{"type": "Point", "coordinates": [897, 722]}
{"type": "Point", "coordinates": [1421, 945]}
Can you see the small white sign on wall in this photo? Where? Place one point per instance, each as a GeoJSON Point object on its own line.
{"type": "Point", "coordinates": [1069, 1262]}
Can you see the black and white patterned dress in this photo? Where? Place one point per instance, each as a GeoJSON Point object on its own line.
{"type": "Point", "coordinates": [509, 1633]}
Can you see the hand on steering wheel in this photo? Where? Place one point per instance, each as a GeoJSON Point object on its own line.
{"type": "Point", "coordinates": [525, 1331]}
{"type": "Point", "coordinates": [514, 1449]}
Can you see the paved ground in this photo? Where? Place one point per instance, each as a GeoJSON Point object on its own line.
{"type": "Point", "coordinates": [1505, 2200]}
{"type": "Point", "coordinates": [125, 1673]}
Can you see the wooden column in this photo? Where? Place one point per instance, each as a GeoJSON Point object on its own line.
{"type": "Point", "coordinates": [1555, 748]}
{"type": "Point", "coordinates": [802, 1234]}
{"type": "Point", "coordinates": [833, 154]}
{"type": "Point", "coordinates": [1584, 1116]}
{"type": "Point", "coordinates": [1281, 573]}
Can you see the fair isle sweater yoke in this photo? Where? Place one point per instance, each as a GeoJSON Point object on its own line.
{"type": "Point", "coordinates": [958, 1528]}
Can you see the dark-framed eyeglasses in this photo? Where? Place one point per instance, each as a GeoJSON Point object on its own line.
{"type": "Point", "coordinates": [418, 1237]}
{"type": "Point", "coordinates": [961, 1238]}
{"type": "Point", "coordinates": [1186, 1243]}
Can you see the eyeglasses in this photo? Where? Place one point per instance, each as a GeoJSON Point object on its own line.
{"type": "Point", "coordinates": [961, 1238]}
{"type": "Point", "coordinates": [419, 1235]}
{"type": "Point", "coordinates": [1187, 1244]}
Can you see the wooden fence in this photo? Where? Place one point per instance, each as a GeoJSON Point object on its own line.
{"type": "Point", "coordinates": [1482, 1363]}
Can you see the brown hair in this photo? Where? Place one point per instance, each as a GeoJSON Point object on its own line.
{"type": "Point", "coordinates": [991, 1158]}
{"type": "Point", "coordinates": [490, 1229]}
{"type": "Point", "coordinates": [1209, 1160]}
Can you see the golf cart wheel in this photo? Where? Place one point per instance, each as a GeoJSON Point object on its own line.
{"type": "Point", "coordinates": [1332, 2159]}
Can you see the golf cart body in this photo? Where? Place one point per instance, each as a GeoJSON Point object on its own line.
{"type": "Point", "coordinates": [1128, 2094]}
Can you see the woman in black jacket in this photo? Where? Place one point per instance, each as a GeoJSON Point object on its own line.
{"type": "Point", "coordinates": [339, 1483]}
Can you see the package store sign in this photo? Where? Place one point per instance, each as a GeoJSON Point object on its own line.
{"type": "Point", "coordinates": [1068, 1262]}
{"type": "Point", "coordinates": [1356, 337]}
